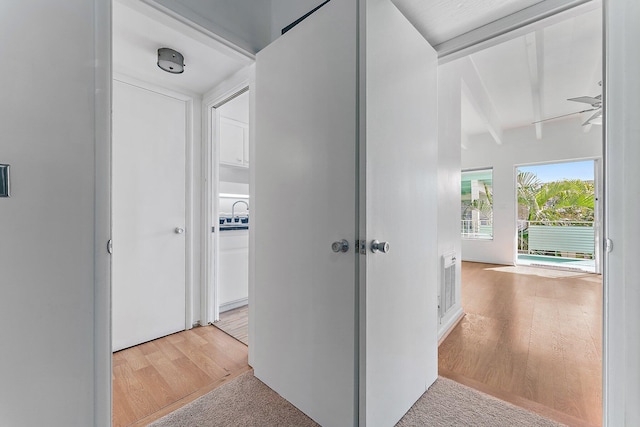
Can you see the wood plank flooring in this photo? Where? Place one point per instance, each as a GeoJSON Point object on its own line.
{"type": "Point", "coordinates": [154, 378]}
{"type": "Point", "coordinates": [529, 335]}
{"type": "Point", "coordinates": [531, 332]}
{"type": "Point", "coordinates": [235, 323]}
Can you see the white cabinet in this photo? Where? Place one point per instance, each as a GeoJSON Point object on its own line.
{"type": "Point", "coordinates": [233, 276]}
{"type": "Point", "coordinates": [234, 142]}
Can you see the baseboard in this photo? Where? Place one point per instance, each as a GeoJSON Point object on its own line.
{"type": "Point", "coordinates": [479, 261]}
{"type": "Point", "coordinates": [450, 325]}
{"type": "Point", "coordinates": [233, 304]}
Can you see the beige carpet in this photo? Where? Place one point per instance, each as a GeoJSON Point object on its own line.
{"type": "Point", "coordinates": [246, 401]}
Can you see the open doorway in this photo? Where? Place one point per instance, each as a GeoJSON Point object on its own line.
{"type": "Point", "coordinates": [557, 216]}
{"type": "Point", "coordinates": [159, 179]}
{"type": "Point", "coordinates": [230, 212]}
{"type": "Point", "coordinates": [529, 335]}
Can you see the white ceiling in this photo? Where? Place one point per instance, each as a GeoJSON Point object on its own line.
{"type": "Point", "coordinates": [442, 20]}
{"type": "Point", "coordinates": [558, 62]}
{"type": "Point", "coordinates": [139, 31]}
{"type": "Point", "coordinates": [523, 80]}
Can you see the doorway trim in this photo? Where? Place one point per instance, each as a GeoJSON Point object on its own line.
{"type": "Point", "coordinates": [103, 81]}
{"type": "Point", "coordinates": [221, 94]}
{"type": "Point", "coordinates": [598, 185]}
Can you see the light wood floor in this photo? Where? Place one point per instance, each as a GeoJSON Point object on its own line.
{"type": "Point", "coordinates": [235, 323]}
{"type": "Point", "coordinates": [155, 378]}
{"type": "Point", "coordinates": [529, 335]}
{"type": "Point", "coordinates": [532, 333]}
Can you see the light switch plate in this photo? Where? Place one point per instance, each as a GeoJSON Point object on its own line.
{"type": "Point", "coordinates": [5, 189]}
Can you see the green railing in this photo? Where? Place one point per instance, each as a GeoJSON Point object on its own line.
{"type": "Point", "coordinates": [557, 238]}
{"type": "Point", "coordinates": [476, 229]}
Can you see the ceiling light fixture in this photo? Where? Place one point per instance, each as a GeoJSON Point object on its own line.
{"type": "Point", "coordinates": [170, 60]}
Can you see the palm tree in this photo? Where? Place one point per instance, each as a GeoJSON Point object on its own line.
{"type": "Point", "coordinates": [482, 205]}
{"type": "Point", "coordinates": [528, 186]}
{"type": "Point", "coordinates": [565, 202]}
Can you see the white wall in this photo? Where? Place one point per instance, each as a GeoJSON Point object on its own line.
{"type": "Point", "coordinates": [52, 249]}
{"type": "Point", "coordinates": [622, 269]}
{"type": "Point", "coordinates": [449, 132]}
{"type": "Point", "coordinates": [245, 23]}
{"type": "Point", "coordinates": [562, 140]}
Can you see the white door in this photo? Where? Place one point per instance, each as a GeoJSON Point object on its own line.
{"type": "Point", "coordinates": [304, 296]}
{"type": "Point", "coordinates": [349, 338]}
{"type": "Point", "coordinates": [148, 211]}
{"type": "Point", "coordinates": [399, 314]}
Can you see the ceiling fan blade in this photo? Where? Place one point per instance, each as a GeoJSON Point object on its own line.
{"type": "Point", "coordinates": [565, 115]}
{"type": "Point", "coordinates": [586, 99]}
{"type": "Point", "coordinates": [593, 116]}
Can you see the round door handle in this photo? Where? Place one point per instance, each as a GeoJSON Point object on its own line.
{"type": "Point", "coordinates": [379, 247]}
{"type": "Point", "coordinates": [341, 246]}
{"type": "Point", "coordinates": [179, 230]}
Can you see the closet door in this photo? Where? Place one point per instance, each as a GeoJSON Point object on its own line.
{"type": "Point", "coordinates": [148, 201]}
{"type": "Point", "coordinates": [346, 149]}
{"type": "Point", "coordinates": [304, 300]}
{"type": "Point", "coordinates": [398, 309]}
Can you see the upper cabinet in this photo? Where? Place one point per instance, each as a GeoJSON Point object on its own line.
{"type": "Point", "coordinates": [234, 142]}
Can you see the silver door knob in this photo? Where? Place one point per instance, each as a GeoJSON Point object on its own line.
{"type": "Point", "coordinates": [341, 246]}
{"type": "Point", "coordinates": [379, 247]}
{"type": "Point", "coordinates": [179, 230]}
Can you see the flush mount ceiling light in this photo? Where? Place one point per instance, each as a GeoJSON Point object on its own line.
{"type": "Point", "coordinates": [170, 60]}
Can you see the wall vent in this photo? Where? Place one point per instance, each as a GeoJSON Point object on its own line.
{"type": "Point", "coordinates": [448, 283]}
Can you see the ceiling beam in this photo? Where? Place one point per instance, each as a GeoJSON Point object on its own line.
{"type": "Point", "coordinates": [535, 58]}
{"type": "Point", "coordinates": [539, 15]}
{"type": "Point", "coordinates": [475, 91]}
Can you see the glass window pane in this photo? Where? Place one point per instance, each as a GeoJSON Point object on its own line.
{"type": "Point", "coordinates": [477, 204]}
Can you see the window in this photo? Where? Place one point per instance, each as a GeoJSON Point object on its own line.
{"type": "Point", "coordinates": [477, 204]}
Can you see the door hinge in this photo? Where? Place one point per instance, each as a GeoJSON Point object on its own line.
{"type": "Point", "coordinates": [109, 247]}
{"type": "Point", "coordinates": [361, 246]}
{"type": "Point", "coordinates": [608, 245]}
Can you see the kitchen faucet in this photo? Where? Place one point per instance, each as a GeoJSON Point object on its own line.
{"type": "Point", "coordinates": [233, 208]}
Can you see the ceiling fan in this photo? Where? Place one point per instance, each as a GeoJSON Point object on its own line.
{"type": "Point", "coordinates": [596, 107]}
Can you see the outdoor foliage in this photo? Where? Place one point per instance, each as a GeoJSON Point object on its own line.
{"type": "Point", "coordinates": [484, 205]}
{"type": "Point", "coordinates": [557, 203]}
{"type": "Point", "coordinates": [567, 200]}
